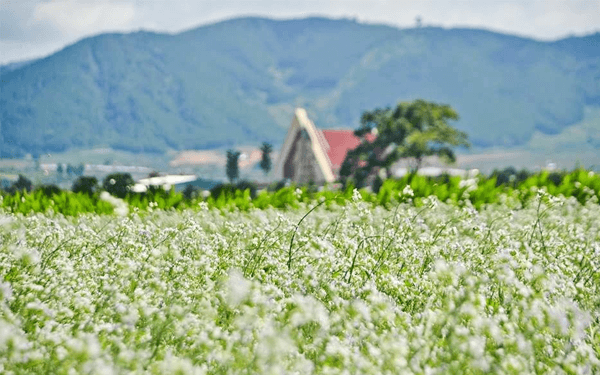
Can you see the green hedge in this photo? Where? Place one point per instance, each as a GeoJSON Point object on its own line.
{"type": "Point", "coordinates": [64, 202]}
{"type": "Point", "coordinates": [581, 184]}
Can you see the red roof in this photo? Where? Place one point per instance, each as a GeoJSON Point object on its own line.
{"type": "Point", "coordinates": [340, 142]}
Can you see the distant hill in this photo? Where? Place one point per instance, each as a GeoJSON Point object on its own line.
{"type": "Point", "coordinates": [238, 81]}
{"type": "Point", "coordinates": [6, 68]}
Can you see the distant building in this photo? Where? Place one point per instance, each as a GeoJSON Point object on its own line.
{"type": "Point", "coordinates": [437, 171]}
{"type": "Point", "coordinates": [179, 182]}
{"type": "Point", "coordinates": [309, 154]}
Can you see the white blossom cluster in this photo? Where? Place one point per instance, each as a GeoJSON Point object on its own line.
{"type": "Point", "coordinates": [343, 290]}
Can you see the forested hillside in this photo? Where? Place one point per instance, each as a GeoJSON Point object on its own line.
{"type": "Point", "coordinates": [238, 81]}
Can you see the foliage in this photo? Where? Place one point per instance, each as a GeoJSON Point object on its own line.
{"type": "Point", "coordinates": [155, 199]}
{"type": "Point", "coordinates": [265, 161]}
{"type": "Point", "coordinates": [49, 190]}
{"type": "Point", "coordinates": [23, 184]}
{"type": "Point", "coordinates": [222, 189]}
{"type": "Point", "coordinates": [411, 130]}
{"type": "Point", "coordinates": [229, 190]}
{"type": "Point", "coordinates": [441, 289]}
{"type": "Point", "coordinates": [118, 184]}
{"type": "Point", "coordinates": [232, 169]}
{"type": "Point", "coordinates": [85, 184]}
{"type": "Point", "coordinates": [510, 176]}
{"type": "Point", "coordinates": [476, 191]}
{"type": "Point", "coordinates": [61, 202]}
{"type": "Point", "coordinates": [428, 132]}
{"type": "Point", "coordinates": [190, 192]}
{"type": "Point", "coordinates": [247, 185]}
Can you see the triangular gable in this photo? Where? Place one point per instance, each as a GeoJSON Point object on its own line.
{"type": "Point", "coordinates": [318, 142]}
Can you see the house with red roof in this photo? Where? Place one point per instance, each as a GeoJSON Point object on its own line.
{"type": "Point", "coordinates": [310, 154]}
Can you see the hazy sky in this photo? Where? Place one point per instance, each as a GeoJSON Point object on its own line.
{"type": "Point", "coordinates": [34, 28]}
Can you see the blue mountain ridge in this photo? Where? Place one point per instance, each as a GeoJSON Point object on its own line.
{"type": "Point", "coordinates": [238, 81]}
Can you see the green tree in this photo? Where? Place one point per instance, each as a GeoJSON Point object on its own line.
{"type": "Point", "coordinates": [265, 162]}
{"type": "Point", "coordinates": [232, 168]}
{"type": "Point", "coordinates": [21, 185]}
{"type": "Point", "coordinates": [85, 184]}
{"type": "Point", "coordinates": [411, 130]}
{"type": "Point", "coordinates": [118, 184]}
{"type": "Point", "coordinates": [190, 192]}
{"type": "Point", "coordinates": [49, 190]}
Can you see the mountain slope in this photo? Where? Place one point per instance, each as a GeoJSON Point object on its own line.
{"type": "Point", "coordinates": [14, 66]}
{"type": "Point", "coordinates": [237, 82]}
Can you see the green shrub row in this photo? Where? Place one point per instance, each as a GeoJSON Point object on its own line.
{"type": "Point", "coordinates": [581, 184]}
{"type": "Point", "coordinates": [64, 202]}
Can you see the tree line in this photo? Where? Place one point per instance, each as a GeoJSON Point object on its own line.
{"type": "Point", "coordinates": [117, 184]}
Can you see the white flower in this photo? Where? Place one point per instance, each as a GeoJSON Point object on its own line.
{"type": "Point", "coordinates": [238, 288]}
{"type": "Point", "coordinates": [356, 195]}
{"type": "Point", "coordinates": [120, 206]}
{"type": "Point", "coordinates": [6, 292]}
{"type": "Point", "coordinates": [487, 295]}
{"type": "Point", "coordinates": [5, 220]}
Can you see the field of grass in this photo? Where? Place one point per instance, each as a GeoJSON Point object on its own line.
{"type": "Point", "coordinates": [508, 288]}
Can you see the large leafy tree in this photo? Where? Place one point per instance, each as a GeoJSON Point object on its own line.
{"type": "Point", "coordinates": [411, 130]}
{"type": "Point", "coordinates": [232, 168]}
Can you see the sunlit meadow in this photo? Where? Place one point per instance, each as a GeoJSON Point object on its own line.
{"type": "Point", "coordinates": [354, 289]}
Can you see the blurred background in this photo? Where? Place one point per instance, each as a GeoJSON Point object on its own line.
{"type": "Point", "coordinates": [167, 87]}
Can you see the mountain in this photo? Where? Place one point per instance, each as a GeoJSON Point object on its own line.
{"type": "Point", "coordinates": [6, 68]}
{"type": "Point", "coordinates": [238, 81]}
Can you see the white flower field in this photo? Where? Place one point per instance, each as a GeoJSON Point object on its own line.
{"type": "Point", "coordinates": [352, 289]}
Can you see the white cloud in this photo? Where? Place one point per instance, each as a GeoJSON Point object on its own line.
{"type": "Point", "coordinates": [11, 51]}
{"type": "Point", "coordinates": [40, 25]}
{"type": "Point", "coordinates": [76, 17]}
{"type": "Point", "coordinates": [558, 16]}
